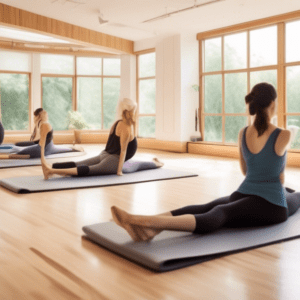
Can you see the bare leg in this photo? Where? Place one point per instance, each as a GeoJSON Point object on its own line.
{"type": "Point", "coordinates": [14, 156]}
{"type": "Point", "coordinates": [158, 163]}
{"type": "Point", "coordinates": [156, 224]}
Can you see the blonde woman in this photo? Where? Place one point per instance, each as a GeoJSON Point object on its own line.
{"type": "Point", "coordinates": [121, 146]}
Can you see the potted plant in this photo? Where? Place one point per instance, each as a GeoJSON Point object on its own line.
{"type": "Point", "coordinates": [77, 122]}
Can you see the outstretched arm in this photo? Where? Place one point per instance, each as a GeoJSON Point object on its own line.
{"type": "Point", "coordinates": [45, 128]}
{"type": "Point", "coordinates": [124, 140]}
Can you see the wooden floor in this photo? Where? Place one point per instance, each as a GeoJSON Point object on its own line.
{"type": "Point", "coordinates": [43, 254]}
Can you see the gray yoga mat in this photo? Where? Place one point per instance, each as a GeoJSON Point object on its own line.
{"type": "Point", "coordinates": [32, 184]}
{"type": "Point", "coordinates": [172, 250]}
{"type": "Point", "coordinates": [15, 163]}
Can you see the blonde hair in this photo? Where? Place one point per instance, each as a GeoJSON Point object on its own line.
{"type": "Point", "coordinates": [124, 104]}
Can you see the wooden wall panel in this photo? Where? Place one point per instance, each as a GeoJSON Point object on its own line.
{"type": "Point", "coordinates": [12, 16]}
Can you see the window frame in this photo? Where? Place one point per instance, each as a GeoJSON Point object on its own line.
{"type": "Point", "coordinates": [74, 86]}
{"type": "Point", "coordinates": [280, 67]}
{"type": "Point", "coordinates": [138, 54]}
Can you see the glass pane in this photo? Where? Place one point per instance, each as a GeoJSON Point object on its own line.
{"type": "Point", "coordinates": [15, 61]}
{"type": "Point", "coordinates": [294, 120]}
{"type": "Point", "coordinates": [57, 64]}
{"type": "Point", "coordinates": [14, 97]}
{"type": "Point", "coordinates": [57, 100]}
{"type": "Point", "coordinates": [235, 92]}
{"type": "Point", "coordinates": [213, 129]}
{"type": "Point", "coordinates": [147, 96]}
{"type": "Point", "coordinates": [292, 41]}
{"type": "Point", "coordinates": [212, 60]}
{"type": "Point", "coordinates": [112, 66]}
{"type": "Point", "coordinates": [269, 76]}
{"type": "Point", "coordinates": [147, 65]}
{"type": "Point", "coordinates": [89, 100]}
{"type": "Point", "coordinates": [213, 93]}
{"type": "Point", "coordinates": [147, 127]}
{"type": "Point", "coordinates": [111, 94]}
{"type": "Point", "coordinates": [263, 47]}
{"type": "Point", "coordinates": [293, 89]}
{"type": "Point", "coordinates": [89, 66]}
{"type": "Point", "coordinates": [235, 51]}
{"type": "Point", "coordinates": [232, 127]}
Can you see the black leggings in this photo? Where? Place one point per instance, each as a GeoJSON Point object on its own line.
{"type": "Point", "coordinates": [239, 210]}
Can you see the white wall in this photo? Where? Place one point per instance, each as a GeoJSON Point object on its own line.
{"type": "Point", "coordinates": [176, 71]}
{"type": "Point", "coordinates": [128, 77]}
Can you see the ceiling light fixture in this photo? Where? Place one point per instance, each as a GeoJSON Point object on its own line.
{"type": "Point", "coordinates": [181, 10]}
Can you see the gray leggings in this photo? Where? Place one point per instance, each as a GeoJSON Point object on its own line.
{"type": "Point", "coordinates": [105, 164]}
{"type": "Point", "coordinates": [34, 150]}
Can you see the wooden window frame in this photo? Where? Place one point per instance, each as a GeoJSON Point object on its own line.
{"type": "Point", "coordinates": [138, 54]}
{"type": "Point", "coordinates": [29, 103]}
{"type": "Point", "coordinates": [280, 21]}
{"type": "Point", "coordinates": [74, 87]}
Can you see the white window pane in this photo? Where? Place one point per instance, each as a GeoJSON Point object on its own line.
{"type": "Point", "coordinates": [147, 127]}
{"type": "Point", "coordinates": [235, 51]}
{"type": "Point", "coordinates": [15, 61]}
{"type": "Point", "coordinates": [213, 129]}
{"type": "Point", "coordinates": [57, 100]}
{"type": "Point", "coordinates": [111, 94]}
{"type": "Point", "coordinates": [235, 91]}
{"type": "Point", "coordinates": [263, 47]}
{"type": "Point", "coordinates": [147, 65]}
{"type": "Point", "coordinates": [57, 64]}
{"type": "Point", "coordinates": [233, 124]}
{"type": "Point", "coordinates": [212, 59]}
{"type": "Point", "coordinates": [292, 41]}
{"type": "Point", "coordinates": [295, 121]}
{"type": "Point", "coordinates": [269, 76]}
{"type": "Point", "coordinates": [147, 96]}
{"type": "Point", "coordinates": [14, 92]}
{"type": "Point", "coordinates": [89, 66]}
{"type": "Point", "coordinates": [213, 93]}
{"type": "Point", "coordinates": [89, 100]}
{"type": "Point", "coordinates": [293, 89]}
{"type": "Point", "coordinates": [112, 66]}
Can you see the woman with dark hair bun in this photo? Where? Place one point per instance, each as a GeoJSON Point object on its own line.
{"type": "Point", "coordinates": [41, 140]}
{"type": "Point", "coordinates": [261, 198]}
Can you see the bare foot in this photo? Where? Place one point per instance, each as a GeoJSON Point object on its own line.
{"type": "Point", "coordinates": [137, 232]}
{"type": "Point", "coordinates": [77, 148]}
{"type": "Point", "coordinates": [47, 171]}
{"type": "Point", "coordinates": [158, 163]}
{"type": "Point", "coordinates": [120, 217]}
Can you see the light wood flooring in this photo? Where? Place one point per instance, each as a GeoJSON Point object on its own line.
{"type": "Point", "coordinates": [43, 255]}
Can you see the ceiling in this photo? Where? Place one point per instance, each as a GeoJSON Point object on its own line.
{"type": "Point", "coordinates": [126, 17]}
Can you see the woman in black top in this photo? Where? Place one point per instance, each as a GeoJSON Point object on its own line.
{"type": "Point", "coordinates": [41, 138]}
{"type": "Point", "coordinates": [120, 147]}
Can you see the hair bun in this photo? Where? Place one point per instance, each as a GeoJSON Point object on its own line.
{"type": "Point", "coordinates": [252, 108]}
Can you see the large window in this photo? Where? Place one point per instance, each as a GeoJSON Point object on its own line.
{"type": "Point", "coordinates": [92, 88]}
{"type": "Point", "coordinates": [14, 90]}
{"type": "Point", "coordinates": [233, 63]}
{"type": "Point", "coordinates": [146, 94]}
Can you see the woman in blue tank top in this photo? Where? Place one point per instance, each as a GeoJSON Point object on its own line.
{"type": "Point", "coordinates": [260, 199]}
{"type": "Point", "coordinates": [115, 159]}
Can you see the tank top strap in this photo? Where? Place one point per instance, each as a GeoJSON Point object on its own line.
{"type": "Point", "coordinates": [273, 138]}
{"type": "Point", "coordinates": [114, 131]}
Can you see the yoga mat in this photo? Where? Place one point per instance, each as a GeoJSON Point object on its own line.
{"type": "Point", "coordinates": [172, 250]}
{"type": "Point", "coordinates": [15, 163]}
{"type": "Point", "coordinates": [32, 184]}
